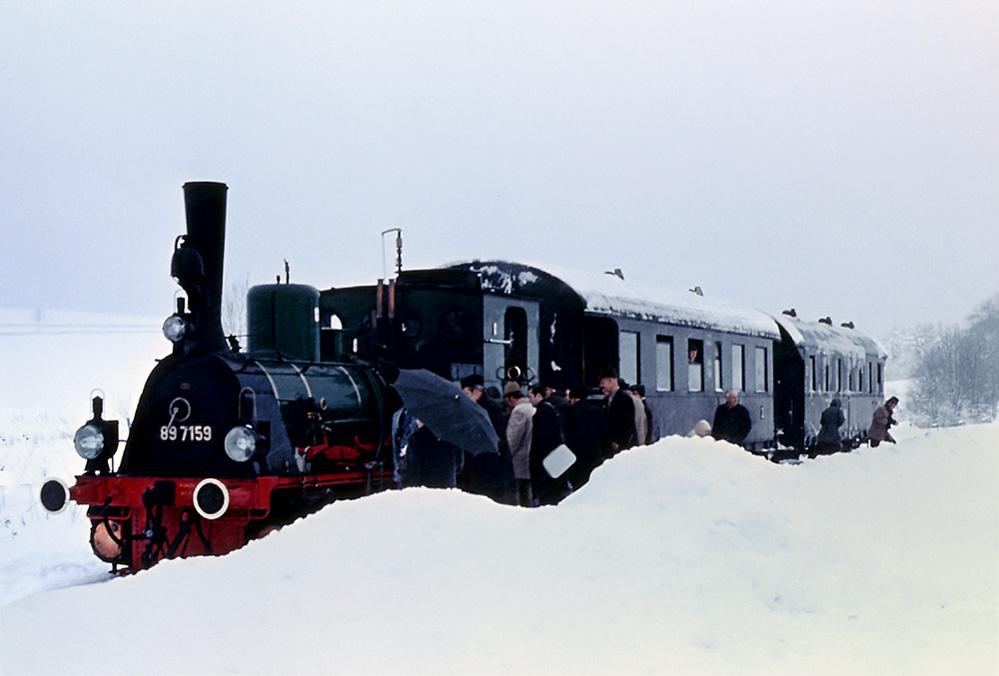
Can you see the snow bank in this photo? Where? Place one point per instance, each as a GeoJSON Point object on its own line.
{"type": "Point", "coordinates": [688, 556]}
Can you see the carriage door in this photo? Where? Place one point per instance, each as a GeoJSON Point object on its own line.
{"type": "Point", "coordinates": [511, 340]}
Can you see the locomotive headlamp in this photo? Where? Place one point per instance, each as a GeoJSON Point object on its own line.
{"type": "Point", "coordinates": [175, 328]}
{"type": "Point", "coordinates": [89, 441]}
{"type": "Point", "coordinates": [241, 443]}
{"type": "Point", "coordinates": [97, 440]}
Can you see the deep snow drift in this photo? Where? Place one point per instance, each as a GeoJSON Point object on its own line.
{"type": "Point", "coordinates": [689, 556]}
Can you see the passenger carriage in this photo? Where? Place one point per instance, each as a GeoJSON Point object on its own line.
{"type": "Point", "coordinates": [818, 362]}
{"type": "Point", "coordinates": [510, 321]}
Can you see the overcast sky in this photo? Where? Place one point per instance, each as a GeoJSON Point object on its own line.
{"type": "Point", "coordinates": [837, 157]}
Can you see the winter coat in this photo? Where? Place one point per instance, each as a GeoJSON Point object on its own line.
{"type": "Point", "coordinates": [832, 419]}
{"type": "Point", "coordinates": [583, 423]}
{"type": "Point", "coordinates": [620, 419]}
{"type": "Point", "coordinates": [641, 421]}
{"type": "Point", "coordinates": [546, 436]}
{"type": "Point", "coordinates": [519, 430]}
{"type": "Point", "coordinates": [491, 474]}
{"type": "Point", "coordinates": [731, 424]}
{"type": "Point", "coordinates": [879, 426]}
{"type": "Point", "coordinates": [430, 461]}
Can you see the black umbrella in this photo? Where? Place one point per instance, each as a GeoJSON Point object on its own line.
{"type": "Point", "coordinates": [446, 410]}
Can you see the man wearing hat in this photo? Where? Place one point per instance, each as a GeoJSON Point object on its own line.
{"type": "Point", "coordinates": [519, 429]}
{"type": "Point", "coordinates": [882, 421]}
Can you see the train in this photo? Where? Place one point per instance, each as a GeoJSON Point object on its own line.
{"type": "Point", "coordinates": [229, 443]}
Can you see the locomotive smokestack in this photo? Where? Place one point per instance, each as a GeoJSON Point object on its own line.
{"type": "Point", "coordinates": [205, 205]}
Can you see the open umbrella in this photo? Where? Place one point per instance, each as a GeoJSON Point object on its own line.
{"type": "Point", "coordinates": [446, 410]}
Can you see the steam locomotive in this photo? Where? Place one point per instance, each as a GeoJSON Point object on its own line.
{"type": "Point", "coordinates": [227, 444]}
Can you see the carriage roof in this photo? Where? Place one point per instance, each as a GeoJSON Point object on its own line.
{"type": "Point", "coordinates": [825, 338]}
{"type": "Point", "coordinates": [607, 294]}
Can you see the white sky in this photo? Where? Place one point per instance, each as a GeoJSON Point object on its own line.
{"type": "Point", "coordinates": [837, 157]}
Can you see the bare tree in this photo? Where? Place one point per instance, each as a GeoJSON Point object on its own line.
{"type": "Point", "coordinates": [957, 372]}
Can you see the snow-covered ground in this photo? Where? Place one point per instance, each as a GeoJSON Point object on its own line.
{"type": "Point", "coordinates": [688, 556]}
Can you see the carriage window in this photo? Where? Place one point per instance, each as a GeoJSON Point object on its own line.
{"type": "Point", "coordinates": [664, 363]}
{"type": "Point", "coordinates": [695, 362]}
{"type": "Point", "coordinates": [718, 367]}
{"type": "Point", "coordinates": [762, 372]}
{"type": "Point", "coordinates": [860, 376]}
{"type": "Point", "coordinates": [739, 368]}
{"type": "Point", "coordinates": [814, 376]}
{"type": "Point", "coordinates": [827, 379]}
{"type": "Point", "coordinates": [515, 331]}
{"type": "Point", "coordinates": [880, 385]}
{"type": "Point", "coordinates": [839, 375]}
{"type": "Point", "coordinates": [628, 356]}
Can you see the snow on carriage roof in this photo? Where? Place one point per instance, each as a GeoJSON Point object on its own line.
{"type": "Point", "coordinates": [828, 338]}
{"type": "Point", "coordinates": [609, 294]}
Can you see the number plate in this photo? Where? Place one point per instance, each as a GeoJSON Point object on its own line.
{"type": "Point", "coordinates": [186, 433]}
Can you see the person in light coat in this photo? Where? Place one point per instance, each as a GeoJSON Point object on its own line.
{"type": "Point", "coordinates": [519, 429]}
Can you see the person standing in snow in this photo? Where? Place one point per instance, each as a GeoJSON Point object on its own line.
{"type": "Point", "coordinates": [519, 429]}
{"type": "Point", "coordinates": [490, 474]}
{"type": "Point", "coordinates": [732, 422]}
{"type": "Point", "coordinates": [619, 414]}
{"type": "Point", "coordinates": [832, 419]}
{"type": "Point", "coordinates": [546, 435]}
{"type": "Point", "coordinates": [881, 422]}
{"type": "Point", "coordinates": [430, 461]}
{"type": "Point", "coordinates": [583, 429]}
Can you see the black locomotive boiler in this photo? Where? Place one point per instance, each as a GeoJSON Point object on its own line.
{"type": "Point", "coordinates": [226, 444]}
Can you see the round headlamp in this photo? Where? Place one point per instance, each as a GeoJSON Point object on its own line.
{"type": "Point", "coordinates": [89, 441]}
{"type": "Point", "coordinates": [241, 443]}
{"type": "Point", "coordinates": [174, 328]}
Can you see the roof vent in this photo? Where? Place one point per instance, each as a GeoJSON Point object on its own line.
{"type": "Point", "coordinates": [847, 325]}
{"type": "Point", "coordinates": [826, 320]}
{"type": "Point", "coordinates": [697, 290]}
{"type": "Point", "coordinates": [617, 273]}
{"type": "Point", "coordinates": [790, 313]}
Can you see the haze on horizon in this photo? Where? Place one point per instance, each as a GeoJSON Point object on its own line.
{"type": "Point", "coordinates": [839, 158]}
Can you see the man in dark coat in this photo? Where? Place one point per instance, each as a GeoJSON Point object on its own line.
{"type": "Point", "coordinates": [490, 474]}
{"type": "Point", "coordinates": [732, 421]}
{"type": "Point", "coordinates": [430, 461]}
{"type": "Point", "coordinates": [619, 414]}
{"type": "Point", "coordinates": [547, 435]}
{"type": "Point", "coordinates": [583, 429]}
{"type": "Point", "coordinates": [832, 419]}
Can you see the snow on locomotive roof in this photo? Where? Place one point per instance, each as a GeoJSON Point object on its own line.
{"type": "Point", "coordinates": [831, 339]}
{"type": "Point", "coordinates": [609, 294]}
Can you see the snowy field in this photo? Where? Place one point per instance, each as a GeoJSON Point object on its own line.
{"type": "Point", "coordinates": [688, 556]}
